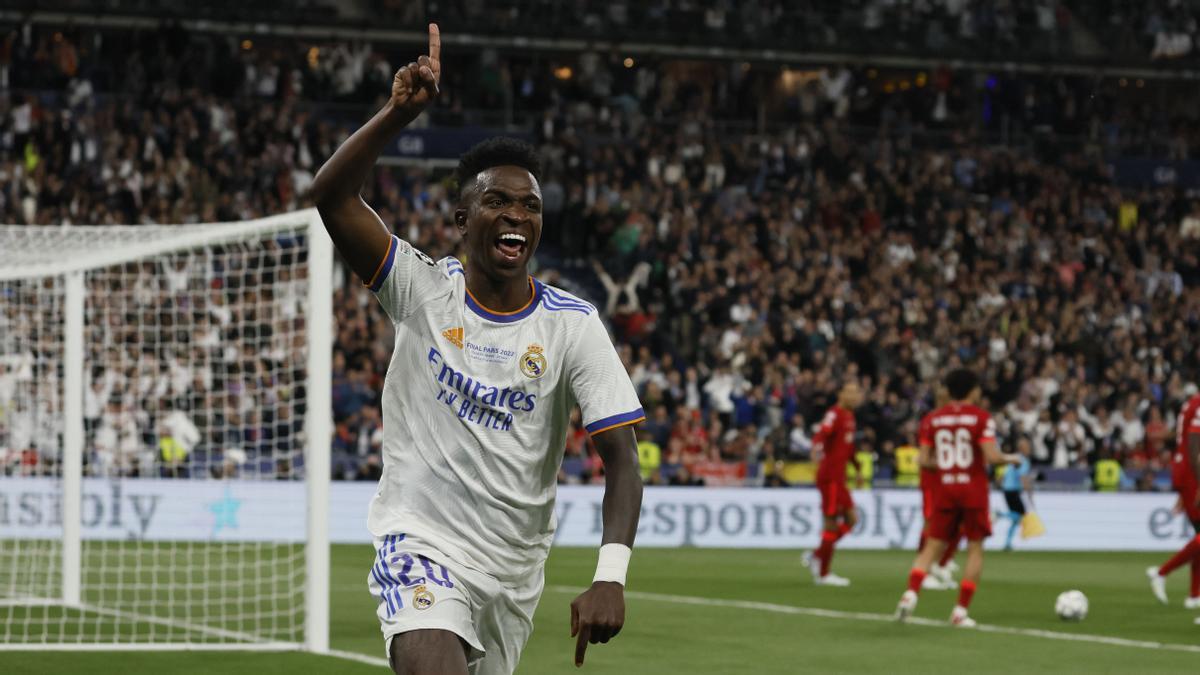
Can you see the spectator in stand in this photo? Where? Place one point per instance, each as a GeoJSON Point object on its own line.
{"type": "Point", "coordinates": [1154, 444]}
{"type": "Point", "coordinates": [799, 440]}
{"type": "Point", "coordinates": [649, 456]}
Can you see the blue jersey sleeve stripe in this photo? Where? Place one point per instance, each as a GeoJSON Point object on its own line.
{"type": "Point", "coordinates": [614, 421]}
{"type": "Point", "coordinates": [565, 300]}
{"type": "Point", "coordinates": [554, 307]}
{"type": "Point", "coordinates": [571, 298]}
{"type": "Point", "coordinates": [385, 267]}
{"type": "Point", "coordinates": [562, 296]}
{"type": "Point", "coordinates": [557, 302]}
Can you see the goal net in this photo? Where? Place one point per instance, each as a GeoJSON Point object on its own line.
{"type": "Point", "coordinates": [164, 435]}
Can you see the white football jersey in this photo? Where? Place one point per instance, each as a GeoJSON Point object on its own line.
{"type": "Point", "coordinates": [476, 406]}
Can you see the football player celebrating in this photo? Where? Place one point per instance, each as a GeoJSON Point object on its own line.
{"type": "Point", "coordinates": [486, 367]}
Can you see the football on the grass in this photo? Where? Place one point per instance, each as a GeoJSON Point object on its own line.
{"type": "Point", "coordinates": [1071, 606]}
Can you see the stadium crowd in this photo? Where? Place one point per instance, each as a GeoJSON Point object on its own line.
{"type": "Point", "coordinates": [1100, 31]}
{"type": "Point", "coordinates": [746, 269]}
{"type": "Point", "coordinates": [938, 26]}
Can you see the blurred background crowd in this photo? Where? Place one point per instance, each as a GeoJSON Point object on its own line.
{"type": "Point", "coordinates": [1093, 31]}
{"type": "Point", "coordinates": [754, 234]}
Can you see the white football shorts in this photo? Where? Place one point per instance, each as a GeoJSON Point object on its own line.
{"type": "Point", "coordinates": [419, 588]}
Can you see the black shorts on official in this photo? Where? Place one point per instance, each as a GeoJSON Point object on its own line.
{"type": "Point", "coordinates": [1015, 503]}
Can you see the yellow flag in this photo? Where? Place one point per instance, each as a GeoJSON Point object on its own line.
{"type": "Point", "coordinates": [1032, 526]}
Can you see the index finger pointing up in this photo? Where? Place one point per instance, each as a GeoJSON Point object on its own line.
{"type": "Point", "coordinates": [435, 42]}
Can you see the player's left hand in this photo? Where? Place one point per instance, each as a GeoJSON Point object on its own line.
{"type": "Point", "coordinates": [1196, 500]}
{"type": "Point", "coordinates": [860, 484]}
{"type": "Point", "coordinates": [597, 616]}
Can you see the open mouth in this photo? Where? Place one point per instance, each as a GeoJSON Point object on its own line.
{"type": "Point", "coordinates": [511, 245]}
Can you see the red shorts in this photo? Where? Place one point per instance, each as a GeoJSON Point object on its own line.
{"type": "Point", "coordinates": [927, 502]}
{"type": "Point", "coordinates": [1187, 495]}
{"type": "Point", "coordinates": [948, 524]}
{"type": "Point", "coordinates": [835, 497]}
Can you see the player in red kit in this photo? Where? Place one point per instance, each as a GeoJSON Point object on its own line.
{"type": "Point", "coordinates": [941, 577]}
{"type": "Point", "coordinates": [833, 446]}
{"type": "Point", "coordinates": [958, 442]}
{"type": "Point", "coordinates": [1185, 475]}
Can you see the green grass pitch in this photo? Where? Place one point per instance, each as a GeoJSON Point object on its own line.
{"type": "Point", "coordinates": [754, 631]}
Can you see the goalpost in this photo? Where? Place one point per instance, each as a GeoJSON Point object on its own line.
{"type": "Point", "coordinates": [165, 430]}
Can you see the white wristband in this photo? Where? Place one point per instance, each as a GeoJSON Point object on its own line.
{"type": "Point", "coordinates": [613, 563]}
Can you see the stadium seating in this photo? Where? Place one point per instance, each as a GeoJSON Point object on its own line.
{"type": "Point", "coordinates": [767, 261]}
{"type": "Point", "coordinates": [1065, 30]}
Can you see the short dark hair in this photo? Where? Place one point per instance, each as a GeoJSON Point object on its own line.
{"type": "Point", "coordinates": [496, 151]}
{"type": "Point", "coordinates": [960, 382]}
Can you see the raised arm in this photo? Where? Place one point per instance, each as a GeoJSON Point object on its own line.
{"type": "Point", "coordinates": [355, 228]}
{"type": "Point", "coordinates": [599, 613]}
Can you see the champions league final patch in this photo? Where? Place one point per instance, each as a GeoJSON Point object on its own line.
{"type": "Point", "coordinates": [533, 362]}
{"type": "Point", "coordinates": [422, 598]}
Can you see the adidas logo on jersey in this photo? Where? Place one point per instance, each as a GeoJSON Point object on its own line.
{"type": "Point", "coordinates": [455, 336]}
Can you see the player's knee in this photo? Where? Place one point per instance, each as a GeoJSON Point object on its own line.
{"type": "Point", "coordinates": [428, 652]}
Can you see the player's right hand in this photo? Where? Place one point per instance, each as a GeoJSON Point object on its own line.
{"type": "Point", "coordinates": [416, 85]}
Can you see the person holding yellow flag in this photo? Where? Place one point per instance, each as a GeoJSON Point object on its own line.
{"type": "Point", "coordinates": [1017, 478]}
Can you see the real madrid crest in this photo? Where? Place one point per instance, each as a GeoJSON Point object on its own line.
{"type": "Point", "coordinates": [533, 362]}
{"type": "Point", "coordinates": [422, 598]}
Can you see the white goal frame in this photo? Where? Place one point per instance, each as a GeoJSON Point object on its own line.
{"type": "Point", "coordinates": [318, 422]}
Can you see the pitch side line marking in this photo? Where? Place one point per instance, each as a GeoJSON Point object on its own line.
{"type": "Point", "coordinates": [361, 658]}
{"type": "Point", "coordinates": [868, 616]}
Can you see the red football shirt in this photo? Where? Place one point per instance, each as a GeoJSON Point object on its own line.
{"type": "Point", "coordinates": [928, 476]}
{"type": "Point", "coordinates": [835, 437]}
{"type": "Point", "coordinates": [1182, 474]}
{"type": "Point", "coordinates": [957, 432]}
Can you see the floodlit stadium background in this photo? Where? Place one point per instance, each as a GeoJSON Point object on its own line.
{"type": "Point", "coordinates": [763, 198]}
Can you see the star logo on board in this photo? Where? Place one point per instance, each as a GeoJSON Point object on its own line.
{"type": "Point", "coordinates": [455, 336]}
{"type": "Point", "coordinates": [225, 512]}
